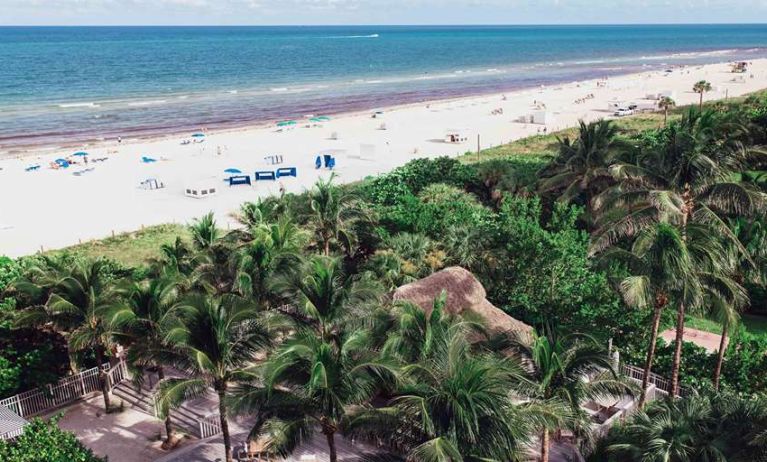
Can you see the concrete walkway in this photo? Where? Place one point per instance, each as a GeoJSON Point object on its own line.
{"type": "Point", "coordinates": [127, 436]}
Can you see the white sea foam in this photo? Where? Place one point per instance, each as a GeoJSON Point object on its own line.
{"type": "Point", "coordinates": [76, 105]}
{"type": "Point", "coordinates": [147, 103]}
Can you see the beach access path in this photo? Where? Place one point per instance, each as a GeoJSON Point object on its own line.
{"type": "Point", "coordinates": [47, 209]}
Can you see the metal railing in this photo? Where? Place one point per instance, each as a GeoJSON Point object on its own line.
{"type": "Point", "coordinates": [67, 390]}
{"type": "Point", "coordinates": [210, 426]}
{"type": "Point", "coordinates": [662, 384]}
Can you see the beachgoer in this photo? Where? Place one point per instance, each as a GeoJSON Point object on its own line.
{"type": "Point", "coordinates": [119, 140]}
{"type": "Point", "coordinates": [282, 189]}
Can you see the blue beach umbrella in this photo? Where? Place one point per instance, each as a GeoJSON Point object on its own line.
{"type": "Point", "coordinates": [320, 119]}
{"type": "Point", "coordinates": [232, 170]}
{"type": "Point", "coordinates": [80, 154]}
{"type": "Point", "coordinates": [198, 135]}
{"type": "Point", "coordinates": [286, 123]}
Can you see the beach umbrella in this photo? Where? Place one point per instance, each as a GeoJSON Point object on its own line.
{"type": "Point", "coordinates": [80, 154]}
{"type": "Point", "coordinates": [198, 135]}
{"type": "Point", "coordinates": [286, 123]}
{"type": "Point", "coordinates": [320, 119]}
{"type": "Point", "coordinates": [232, 170]}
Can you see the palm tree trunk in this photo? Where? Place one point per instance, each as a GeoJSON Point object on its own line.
{"type": "Point", "coordinates": [332, 446]}
{"type": "Point", "coordinates": [224, 424]}
{"type": "Point", "coordinates": [700, 103]}
{"type": "Point", "coordinates": [327, 247]}
{"type": "Point", "coordinates": [720, 357]}
{"type": "Point", "coordinates": [545, 445]}
{"type": "Point", "coordinates": [168, 427]}
{"type": "Point", "coordinates": [102, 377]}
{"type": "Point", "coordinates": [677, 350]}
{"type": "Point", "coordinates": [650, 352]}
{"type": "Point", "coordinates": [329, 429]}
{"type": "Point", "coordinates": [665, 116]}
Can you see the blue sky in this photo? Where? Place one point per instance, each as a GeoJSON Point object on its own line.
{"type": "Point", "coordinates": [265, 12]}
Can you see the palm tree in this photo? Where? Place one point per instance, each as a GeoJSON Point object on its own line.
{"type": "Point", "coordinates": [334, 215]}
{"type": "Point", "coordinates": [580, 170]}
{"type": "Point", "coordinates": [323, 296]}
{"type": "Point", "coordinates": [204, 231]}
{"type": "Point", "coordinates": [666, 103]}
{"type": "Point", "coordinates": [453, 405]}
{"type": "Point", "coordinates": [309, 383]}
{"type": "Point", "coordinates": [661, 269]}
{"type": "Point", "coordinates": [273, 249]}
{"type": "Point", "coordinates": [572, 369]}
{"type": "Point", "coordinates": [215, 340]}
{"type": "Point", "coordinates": [700, 87]}
{"type": "Point", "coordinates": [721, 427]}
{"type": "Point", "coordinates": [142, 320]}
{"type": "Point", "coordinates": [685, 182]}
{"type": "Point", "coordinates": [78, 305]}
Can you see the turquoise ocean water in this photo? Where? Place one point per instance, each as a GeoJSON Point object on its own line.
{"type": "Point", "coordinates": [66, 84]}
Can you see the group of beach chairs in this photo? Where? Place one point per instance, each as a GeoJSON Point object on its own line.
{"type": "Point", "coordinates": [263, 175]}
{"type": "Point", "coordinates": [330, 161]}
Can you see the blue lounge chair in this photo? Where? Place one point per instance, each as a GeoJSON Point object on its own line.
{"type": "Point", "coordinates": [239, 179]}
{"type": "Point", "coordinates": [286, 171]}
{"type": "Point", "coordinates": [318, 162]}
{"type": "Point", "coordinates": [330, 161]}
{"type": "Point", "coordinates": [265, 175]}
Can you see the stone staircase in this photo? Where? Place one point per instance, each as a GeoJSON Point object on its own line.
{"type": "Point", "coordinates": [184, 418]}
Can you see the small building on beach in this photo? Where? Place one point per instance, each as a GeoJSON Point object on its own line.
{"type": "Point", "coordinates": [201, 189]}
{"type": "Point", "coordinates": [465, 294]}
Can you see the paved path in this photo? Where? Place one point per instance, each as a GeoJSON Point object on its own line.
{"type": "Point", "coordinates": [127, 436]}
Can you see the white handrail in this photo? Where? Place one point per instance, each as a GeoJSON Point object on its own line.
{"type": "Point", "coordinates": [67, 390]}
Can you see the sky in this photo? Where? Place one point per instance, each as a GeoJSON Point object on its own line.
{"type": "Point", "coordinates": [376, 12]}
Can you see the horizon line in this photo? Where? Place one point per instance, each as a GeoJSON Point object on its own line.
{"type": "Point", "coordinates": [605, 24]}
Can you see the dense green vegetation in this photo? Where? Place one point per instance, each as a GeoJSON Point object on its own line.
{"type": "Point", "coordinates": [606, 234]}
{"type": "Point", "coordinates": [44, 441]}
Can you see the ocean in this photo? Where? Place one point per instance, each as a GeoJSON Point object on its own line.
{"type": "Point", "coordinates": [65, 85]}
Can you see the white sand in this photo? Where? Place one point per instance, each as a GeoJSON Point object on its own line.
{"type": "Point", "coordinates": [54, 208]}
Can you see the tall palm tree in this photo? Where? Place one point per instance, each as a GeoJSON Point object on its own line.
{"type": "Point", "coordinates": [580, 169]}
{"type": "Point", "coordinates": [273, 249]}
{"type": "Point", "coordinates": [661, 269]}
{"type": "Point", "coordinates": [455, 404]}
{"type": "Point", "coordinates": [323, 296]}
{"type": "Point", "coordinates": [334, 214]}
{"type": "Point", "coordinates": [700, 87]}
{"type": "Point", "coordinates": [308, 384]}
{"type": "Point", "coordinates": [142, 320]}
{"type": "Point", "coordinates": [78, 305]}
{"type": "Point", "coordinates": [572, 369]}
{"type": "Point", "coordinates": [685, 181]}
{"type": "Point", "coordinates": [214, 341]}
{"type": "Point", "coordinates": [666, 103]}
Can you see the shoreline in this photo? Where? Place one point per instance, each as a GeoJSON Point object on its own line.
{"type": "Point", "coordinates": [61, 207]}
{"type": "Point", "coordinates": [20, 150]}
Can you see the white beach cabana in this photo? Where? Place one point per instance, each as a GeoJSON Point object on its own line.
{"type": "Point", "coordinates": [456, 135]}
{"type": "Point", "coordinates": [202, 188]}
{"type": "Point", "coordinates": [542, 118]}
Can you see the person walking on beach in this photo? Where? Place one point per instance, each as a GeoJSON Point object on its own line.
{"type": "Point", "coordinates": [119, 140]}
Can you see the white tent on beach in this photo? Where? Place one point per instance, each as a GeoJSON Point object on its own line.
{"type": "Point", "coordinates": [456, 135]}
{"type": "Point", "coordinates": [202, 188]}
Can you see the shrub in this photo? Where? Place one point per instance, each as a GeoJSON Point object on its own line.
{"type": "Point", "coordinates": [45, 441]}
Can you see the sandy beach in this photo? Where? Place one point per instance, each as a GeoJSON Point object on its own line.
{"type": "Point", "coordinates": [52, 208]}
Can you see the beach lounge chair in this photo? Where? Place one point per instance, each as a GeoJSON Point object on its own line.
{"type": "Point", "coordinates": [286, 171]}
{"type": "Point", "coordinates": [330, 161]}
{"type": "Point", "coordinates": [239, 179]}
{"type": "Point", "coordinates": [265, 175]}
{"type": "Point", "coordinates": [318, 162]}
